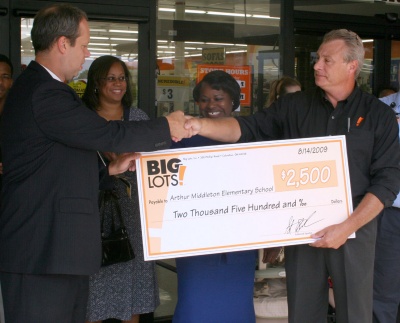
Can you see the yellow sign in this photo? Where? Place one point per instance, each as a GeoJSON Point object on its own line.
{"type": "Point", "coordinates": [78, 86]}
{"type": "Point", "coordinates": [213, 56]}
{"type": "Point", "coordinates": [168, 81]}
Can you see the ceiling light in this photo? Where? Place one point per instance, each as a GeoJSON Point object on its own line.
{"type": "Point", "coordinates": [103, 49]}
{"type": "Point", "coordinates": [126, 39]}
{"type": "Point", "coordinates": [195, 11]}
{"type": "Point", "coordinates": [220, 44]}
{"type": "Point", "coordinates": [265, 17]}
{"type": "Point", "coordinates": [236, 51]}
{"type": "Point", "coordinates": [123, 31]}
{"type": "Point", "coordinates": [93, 54]}
{"type": "Point", "coordinates": [218, 13]}
{"type": "Point", "coordinates": [168, 47]}
{"type": "Point", "coordinates": [166, 9]}
{"type": "Point", "coordinates": [95, 37]}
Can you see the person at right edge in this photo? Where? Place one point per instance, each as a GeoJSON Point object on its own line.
{"type": "Point", "coordinates": [6, 73]}
{"type": "Point", "coordinates": [49, 221]}
{"type": "Point", "coordinates": [337, 106]}
{"type": "Point", "coordinates": [387, 253]}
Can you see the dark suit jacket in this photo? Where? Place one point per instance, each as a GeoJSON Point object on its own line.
{"type": "Point", "coordinates": [49, 221]}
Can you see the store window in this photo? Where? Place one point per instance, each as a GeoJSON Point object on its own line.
{"type": "Point", "coordinates": [306, 49]}
{"type": "Point", "coordinates": [106, 38]}
{"type": "Point", "coordinates": [194, 37]}
{"type": "Point", "coordinates": [395, 65]}
{"type": "Point", "coordinates": [349, 7]}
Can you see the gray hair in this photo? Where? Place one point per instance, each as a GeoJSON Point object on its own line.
{"type": "Point", "coordinates": [355, 48]}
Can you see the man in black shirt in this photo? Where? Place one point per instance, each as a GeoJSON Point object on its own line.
{"type": "Point", "coordinates": [336, 107]}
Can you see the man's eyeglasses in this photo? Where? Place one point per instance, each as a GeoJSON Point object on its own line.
{"type": "Point", "coordinates": [5, 76]}
{"type": "Point", "coordinates": [113, 79]}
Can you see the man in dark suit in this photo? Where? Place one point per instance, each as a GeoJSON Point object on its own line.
{"type": "Point", "coordinates": [49, 222]}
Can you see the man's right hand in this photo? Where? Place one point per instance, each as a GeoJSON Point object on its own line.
{"type": "Point", "coordinates": [219, 129]}
{"type": "Point", "coordinates": [193, 125]}
{"type": "Point", "coordinates": [123, 163]}
{"type": "Point", "coordinates": [176, 121]}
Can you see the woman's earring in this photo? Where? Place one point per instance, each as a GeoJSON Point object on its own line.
{"type": "Point", "coordinates": [96, 90]}
{"type": "Point", "coordinates": [233, 103]}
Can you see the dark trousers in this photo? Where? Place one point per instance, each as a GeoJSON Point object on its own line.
{"type": "Point", "coordinates": [44, 298]}
{"type": "Point", "coordinates": [351, 269]}
{"type": "Point", "coordinates": [387, 267]}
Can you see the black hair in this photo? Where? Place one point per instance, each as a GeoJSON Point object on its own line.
{"type": "Point", "coordinates": [96, 77]}
{"type": "Point", "coordinates": [5, 59]}
{"type": "Point", "coordinates": [220, 80]}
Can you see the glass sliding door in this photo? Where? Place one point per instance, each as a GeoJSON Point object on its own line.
{"type": "Point", "coordinates": [306, 49]}
{"type": "Point", "coordinates": [195, 36]}
{"type": "Point", "coordinates": [106, 38]}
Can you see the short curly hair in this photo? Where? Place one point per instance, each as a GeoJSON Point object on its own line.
{"type": "Point", "coordinates": [220, 80]}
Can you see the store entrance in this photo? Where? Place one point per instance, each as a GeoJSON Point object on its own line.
{"type": "Point", "coordinates": [379, 36]}
{"type": "Point", "coordinates": [305, 54]}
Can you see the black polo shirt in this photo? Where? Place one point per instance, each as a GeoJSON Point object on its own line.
{"type": "Point", "coordinates": [370, 127]}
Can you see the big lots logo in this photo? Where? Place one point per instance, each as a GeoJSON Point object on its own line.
{"type": "Point", "coordinates": [165, 172]}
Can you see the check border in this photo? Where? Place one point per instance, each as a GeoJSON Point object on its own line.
{"type": "Point", "coordinates": [165, 236]}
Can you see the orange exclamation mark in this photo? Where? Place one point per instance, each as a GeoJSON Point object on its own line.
{"type": "Point", "coordinates": [181, 174]}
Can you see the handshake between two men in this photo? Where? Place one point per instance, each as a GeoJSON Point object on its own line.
{"type": "Point", "coordinates": [221, 129]}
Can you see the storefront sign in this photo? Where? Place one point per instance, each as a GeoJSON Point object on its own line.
{"type": "Point", "coordinates": [242, 74]}
{"type": "Point", "coordinates": [213, 56]}
{"type": "Point", "coordinates": [170, 91]}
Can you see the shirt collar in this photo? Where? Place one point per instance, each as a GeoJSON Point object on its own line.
{"type": "Point", "coordinates": [352, 95]}
{"type": "Point", "coordinates": [54, 76]}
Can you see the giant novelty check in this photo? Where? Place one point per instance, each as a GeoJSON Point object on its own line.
{"type": "Point", "coordinates": [215, 199]}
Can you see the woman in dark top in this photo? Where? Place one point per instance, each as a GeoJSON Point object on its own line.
{"type": "Point", "coordinates": [218, 287]}
{"type": "Point", "coordinates": [123, 290]}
